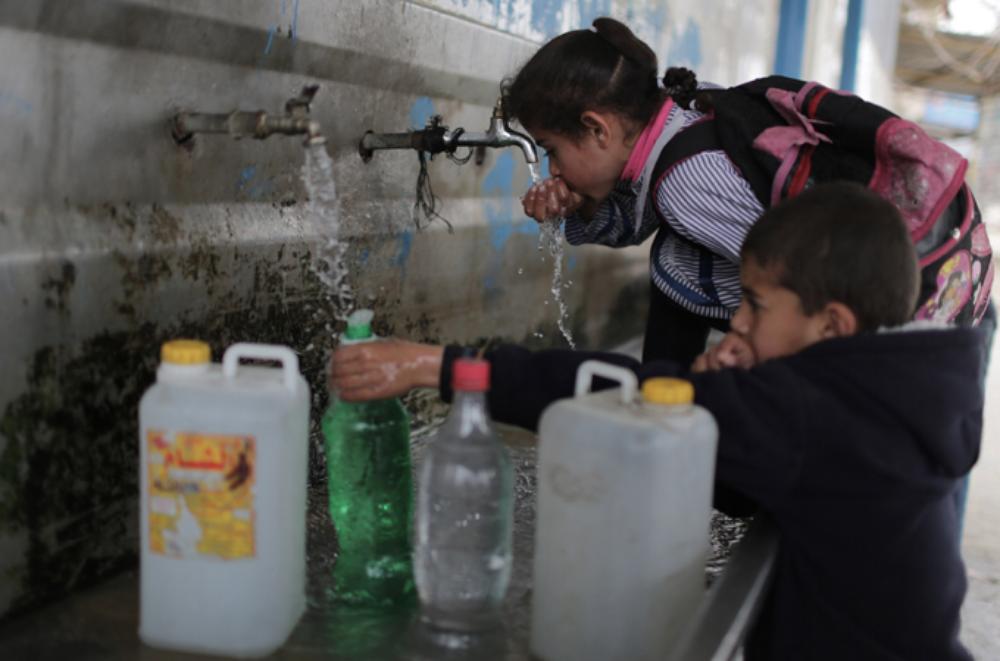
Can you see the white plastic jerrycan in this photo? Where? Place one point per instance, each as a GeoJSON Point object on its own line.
{"type": "Point", "coordinates": [223, 469]}
{"type": "Point", "coordinates": [624, 503]}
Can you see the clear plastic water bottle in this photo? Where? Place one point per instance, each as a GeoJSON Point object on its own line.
{"type": "Point", "coordinates": [465, 515]}
{"type": "Point", "coordinates": [371, 493]}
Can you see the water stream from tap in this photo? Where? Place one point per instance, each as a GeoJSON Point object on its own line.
{"type": "Point", "coordinates": [550, 241]}
{"type": "Point", "coordinates": [329, 267]}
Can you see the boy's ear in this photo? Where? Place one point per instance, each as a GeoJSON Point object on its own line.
{"type": "Point", "coordinates": [596, 125]}
{"type": "Point", "coordinates": [839, 320]}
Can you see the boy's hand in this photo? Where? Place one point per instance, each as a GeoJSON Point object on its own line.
{"type": "Point", "coordinates": [550, 199]}
{"type": "Point", "coordinates": [732, 351]}
{"type": "Point", "coordinates": [383, 369]}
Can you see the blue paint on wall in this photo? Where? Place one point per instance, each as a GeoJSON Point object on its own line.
{"type": "Point", "coordinates": [500, 179]}
{"type": "Point", "coordinates": [250, 188]}
{"type": "Point", "coordinates": [246, 174]}
{"type": "Point", "coordinates": [363, 257]}
{"type": "Point", "coordinates": [499, 187]}
{"type": "Point", "coordinates": [421, 111]}
{"type": "Point", "coordinates": [685, 48]}
{"type": "Point", "coordinates": [544, 168]}
{"type": "Point", "coordinates": [19, 104]}
{"type": "Point", "coordinates": [499, 196]}
{"type": "Point", "coordinates": [405, 245]}
{"type": "Point", "coordinates": [270, 39]}
{"type": "Point", "coordinates": [545, 16]}
{"type": "Point", "coordinates": [648, 22]}
{"type": "Point", "coordinates": [591, 9]}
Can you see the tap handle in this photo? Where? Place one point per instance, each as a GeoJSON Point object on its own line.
{"type": "Point", "coordinates": [300, 104]}
{"type": "Point", "coordinates": [499, 112]}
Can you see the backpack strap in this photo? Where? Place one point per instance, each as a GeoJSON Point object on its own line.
{"type": "Point", "coordinates": [695, 139]}
{"type": "Point", "coordinates": [704, 136]}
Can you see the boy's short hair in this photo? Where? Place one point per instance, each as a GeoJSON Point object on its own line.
{"type": "Point", "coordinates": [840, 242]}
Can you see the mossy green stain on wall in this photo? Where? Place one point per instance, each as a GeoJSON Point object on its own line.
{"type": "Point", "coordinates": [67, 475]}
{"type": "Point", "coordinates": [68, 444]}
{"type": "Point", "coordinates": [58, 287]}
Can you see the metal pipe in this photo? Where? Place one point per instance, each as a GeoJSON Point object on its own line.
{"type": "Point", "coordinates": [437, 138]}
{"type": "Point", "coordinates": [852, 42]}
{"type": "Point", "coordinates": [434, 140]}
{"type": "Point", "coordinates": [498, 137]}
{"type": "Point", "coordinates": [791, 37]}
{"type": "Point", "coordinates": [253, 124]}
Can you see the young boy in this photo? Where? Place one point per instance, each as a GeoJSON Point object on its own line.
{"type": "Point", "coordinates": [848, 428]}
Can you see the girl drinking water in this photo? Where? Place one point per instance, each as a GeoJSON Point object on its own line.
{"type": "Point", "coordinates": [615, 136]}
{"type": "Point", "coordinates": [593, 101]}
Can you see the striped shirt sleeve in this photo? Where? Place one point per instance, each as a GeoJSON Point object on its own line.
{"type": "Point", "coordinates": [613, 223]}
{"type": "Point", "coordinates": [706, 200]}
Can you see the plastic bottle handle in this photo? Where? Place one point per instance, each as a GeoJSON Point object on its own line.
{"type": "Point", "coordinates": [289, 361]}
{"type": "Point", "coordinates": [591, 368]}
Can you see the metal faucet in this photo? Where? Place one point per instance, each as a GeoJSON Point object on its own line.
{"type": "Point", "coordinates": [436, 138]}
{"type": "Point", "coordinates": [259, 124]}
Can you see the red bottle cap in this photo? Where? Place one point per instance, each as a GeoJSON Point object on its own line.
{"type": "Point", "coordinates": [470, 375]}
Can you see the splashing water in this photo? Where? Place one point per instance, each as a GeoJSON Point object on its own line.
{"type": "Point", "coordinates": [317, 176]}
{"type": "Point", "coordinates": [550, 241]}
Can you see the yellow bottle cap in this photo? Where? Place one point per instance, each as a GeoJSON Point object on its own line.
{"type": "Point", "coordinates": [664, 390]}
{"type": "Point", "coordinates": [185, 352]}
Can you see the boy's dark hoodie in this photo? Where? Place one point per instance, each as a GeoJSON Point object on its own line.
{"type": "Point", "coordinates": [854, 447]}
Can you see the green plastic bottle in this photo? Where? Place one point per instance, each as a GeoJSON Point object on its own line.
{"type": "Point", "coordinates": [371, 495]}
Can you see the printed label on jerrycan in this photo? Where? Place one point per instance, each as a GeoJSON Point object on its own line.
{"type": "Point", "coordinates": [201, 494]}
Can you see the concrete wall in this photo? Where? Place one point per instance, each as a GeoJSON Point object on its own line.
{"type": "Point", "coordinates": [114, 239]}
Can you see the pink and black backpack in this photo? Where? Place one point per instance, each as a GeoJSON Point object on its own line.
{"type": "Point", "coordinates": [785, 135]}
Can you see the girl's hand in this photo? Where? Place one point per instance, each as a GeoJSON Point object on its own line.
{"type": "Point", "coordinates": [732, 351]}
{"type": "Point", "coordinates": [550, 199]}
{"type": "Point", "coordinates": [383, 369]}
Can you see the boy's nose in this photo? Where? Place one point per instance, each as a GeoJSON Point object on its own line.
{"type": "Point", "coordinates": [740, 322]}
{"type": "Point", "coordinates": [553, 168]}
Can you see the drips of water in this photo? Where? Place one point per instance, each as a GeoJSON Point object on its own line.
{"type": "Point", "coordinates": [550, 241]}
{"type": "Point", "coordinates": [329, 267]}
{"type": "Point", "coordinates": [535, 172]}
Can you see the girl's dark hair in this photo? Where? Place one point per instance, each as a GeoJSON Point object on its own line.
{"type": "Point", "coordinates": [682, 85]}
{"type": "Point", "coordinates": [840, 242]}
{"type": "Point", "coordinates": [604, 69]}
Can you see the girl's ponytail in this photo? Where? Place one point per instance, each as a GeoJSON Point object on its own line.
{"type": "Point", "coordinates": [682, 86]}
{"type": "Point", "coordinates": [606, 68]}
{"type": "Point", "coordinates": [625, 42]}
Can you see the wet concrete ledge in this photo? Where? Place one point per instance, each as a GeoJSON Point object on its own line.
{"type": "Point", "coordinates": [101, 623]}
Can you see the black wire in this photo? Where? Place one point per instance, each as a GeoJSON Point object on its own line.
{"type": "Point", "coordinates": [427, 201]}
